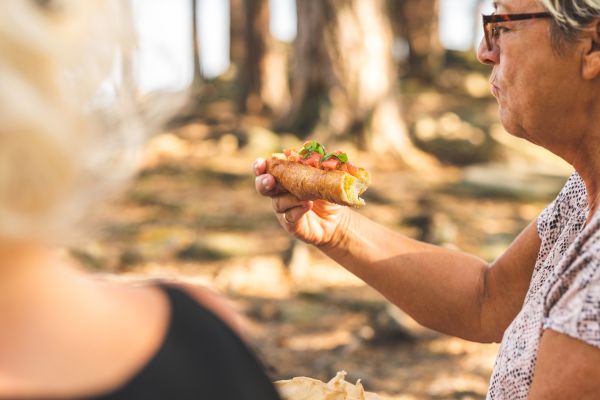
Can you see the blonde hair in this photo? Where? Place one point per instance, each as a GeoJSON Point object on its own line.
{"type": "Point", "coordinates": [65, 144]}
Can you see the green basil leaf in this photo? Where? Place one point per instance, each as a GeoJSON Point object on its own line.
{"type": "Point", "coordinates": [327, 157]}
{"type": "Point", "coordinates": [313, 145]}
{"type": "Point", "coordinates": [342, 157]}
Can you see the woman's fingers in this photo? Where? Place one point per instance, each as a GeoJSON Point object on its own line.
{"type": "Point", "coordinates": [293, 215]}
{"type": "Point", "coordinates": [265, 184]}
{"type": "Point", "coordinates": [288, 208]}
{"type": "Point", "coordinates": [286, 201]}
{"type": "Point", "coordinates": [259, 166]}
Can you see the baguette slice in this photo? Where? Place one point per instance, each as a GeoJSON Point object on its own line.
{"type": "Point", "coordinates": [309, 183]}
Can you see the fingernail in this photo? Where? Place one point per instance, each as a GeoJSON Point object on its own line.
{"type": "Point", "coordinates": [255, 165]}
{"type": "Point", "coordinates": [266, 183]}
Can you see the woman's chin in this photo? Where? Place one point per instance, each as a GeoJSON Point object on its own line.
{"type": "Point", "coordinates": [510, 126]}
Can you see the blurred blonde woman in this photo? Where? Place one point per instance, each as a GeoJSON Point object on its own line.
{"type": "Point", "coordinates": [541, 297]}
{"type": "Point", "coordinates": [65, 146]}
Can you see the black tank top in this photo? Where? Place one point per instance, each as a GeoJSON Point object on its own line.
{"type": "Point", "coordinates": [200, 358]}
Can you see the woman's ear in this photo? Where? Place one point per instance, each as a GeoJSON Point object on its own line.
{"type": "Point", "coordinates": [591, 59]}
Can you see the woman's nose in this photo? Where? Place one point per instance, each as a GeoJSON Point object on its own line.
{"type": "Point", "coordinates": [486, 56]}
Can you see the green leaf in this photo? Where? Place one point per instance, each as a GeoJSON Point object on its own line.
{"type": "Point", "coordinates": [343, 157]}
{"type": "Point", "coordinates": [327, 157]}
{"type": "Point", "coordinates": [320, 149]}
{"type": "Point", "coordinates": [313, 145]}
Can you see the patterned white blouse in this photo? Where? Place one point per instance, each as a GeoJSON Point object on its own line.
{"type": "Point", "coordinates": [563, 295]}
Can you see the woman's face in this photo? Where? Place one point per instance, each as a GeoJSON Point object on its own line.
{"type": "Point", "coordinates": [536, 87]}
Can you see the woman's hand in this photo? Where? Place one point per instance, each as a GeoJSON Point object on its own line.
{"type": "Point", "coordinates": [317, 222]}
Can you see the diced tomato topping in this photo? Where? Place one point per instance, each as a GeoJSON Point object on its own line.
{"type": "Point", "coordinates": [352, 170]}
{"type": "Point", "coordinates": [314, 160]}
{"type": "Point", "coordinates": [330, 164]}
{"type": "Point", "coordinates": [291, 155]}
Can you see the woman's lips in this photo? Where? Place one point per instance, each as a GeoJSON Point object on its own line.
{"type": "Point", "coordinates": [495, 90]}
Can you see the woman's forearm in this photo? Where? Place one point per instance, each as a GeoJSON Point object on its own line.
{"type": "Point", "coordinates": [440, 288]}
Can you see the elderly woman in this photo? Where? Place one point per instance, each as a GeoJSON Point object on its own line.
{"type": "Point", "coordinates": [67, 140]}
{"type": "Point", "coordinates": [541, 298]}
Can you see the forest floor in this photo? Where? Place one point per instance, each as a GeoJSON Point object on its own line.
{"type": "Point", "coordinates": [192, 214]}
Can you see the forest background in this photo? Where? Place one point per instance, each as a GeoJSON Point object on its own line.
{"type": "Point", "coordinates": [395, 84]}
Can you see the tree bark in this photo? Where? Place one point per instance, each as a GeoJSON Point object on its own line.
{"type": "Point", "coordinates": [417, 22]}
{"type": "Point", "coordinates": [261, 62]}
{"type": "Point", "coordinates": [312, 73]}
{"type": "Point", "coordinates": [237, 33]}
{"type": "Point", "coordinates": [197, 81]}
{"type": "Point", "coordinates": [127, 63]}
{"type": "Point", "coordinates": [345, 78]}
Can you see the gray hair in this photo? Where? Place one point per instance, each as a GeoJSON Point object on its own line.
{"type": "Point", "coordinates": [570, 17]}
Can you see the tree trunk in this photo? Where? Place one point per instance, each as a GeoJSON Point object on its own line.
{"type": "Point", "coordinates": [197, 71]}
{"type": "Point", "coordinates": [261, 62]}
{"type": "Point", "coordinates": [127, 63]}
{"type": "Point", "coordinates": [312, 73]}
{"type": "Point", "coordinates": [417, 22]}
{"type": "Point", "coordinates": [344, 76]}
{"type": "Point", "coordinates": [237, 33]}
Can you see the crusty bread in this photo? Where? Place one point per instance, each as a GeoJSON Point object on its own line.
{"type": "Point", "coordinates": [309, 183]}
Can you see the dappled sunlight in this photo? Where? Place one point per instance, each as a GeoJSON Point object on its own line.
{"type": "Point", "coordinates": [258, 277]}
{"type": "Point", "coordinates": [165, 147]}
{"type": "Point", "coordinates": [311, 271]}
{"type": "Point", "coordinates": [192, 214]}
{"type": "Point", "coordinates": [371, 79]}
{"type": "Point", "coordinates": [318, 341]}
{"type": "Point", "coordinates": [447, 385]}
{"type": "Point", "coordinates": [477, 85]}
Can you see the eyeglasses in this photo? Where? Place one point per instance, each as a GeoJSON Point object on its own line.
{"type": "Point", "coordinates": [492, 34]}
